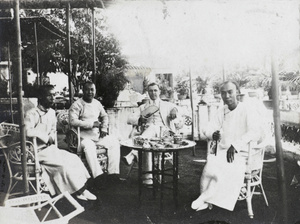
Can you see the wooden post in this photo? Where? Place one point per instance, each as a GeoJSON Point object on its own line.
{"type": "Point", "coordinates": [279, 155]}
{"type": "Point", "coordinates": [39, 78]}
{"type": "Point", "coordinates": [192, 107]}
{"type": "Point", "coordinates": [94, 78]}
{"type": "Point", "coordinates": [223, 72]}
{"type": "Point", "coordinates": [69, 54]}
{"type": "Point", "coordinates": [10, 83]}
{"type": "Point", "coordinates": [20, 101]}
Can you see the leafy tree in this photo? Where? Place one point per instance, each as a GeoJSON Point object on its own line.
{"type": "Point", "coordinates": [110, 77]}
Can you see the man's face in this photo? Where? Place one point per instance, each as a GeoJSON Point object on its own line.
{"type": "Point", "coordinates": [229, 95]}
{"type": "Point", "coordinates": [89, 92]}
{"type": "Point", "coordinates": [48, 99]}
{"type": "Point", "coordinates": [153, 92]}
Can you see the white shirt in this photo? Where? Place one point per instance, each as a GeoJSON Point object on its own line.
{"type": "Point", "coordinates": [237, 127]}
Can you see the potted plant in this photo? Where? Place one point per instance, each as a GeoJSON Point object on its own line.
{"type": "Point", "coordinates": [202, 84]}
{"type": "Point", "coordinates": [166, 91]}
{"type": "Point", "coordinates": [182, 88]}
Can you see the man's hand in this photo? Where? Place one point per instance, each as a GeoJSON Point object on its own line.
{"type": "Point", "coordinates": [103, 134]}
{"type": "Point", "coordinates": [173, 114]}
{"type": "Point", "coordinates": [96, 124]}
{"type": "Point", "coordinates": [216, 136]}
{"type": "Point", "coordinates": [230, 154]}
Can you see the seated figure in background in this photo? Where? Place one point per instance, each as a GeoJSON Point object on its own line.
{"type": "Point", "coordinates": [62, 170]}
{"type": "Point", "coordinates": [89, 114]}
{"type": "Point", "coordinates": [165, 119]}
{"type": "Point", "coordinates": [233, 127]}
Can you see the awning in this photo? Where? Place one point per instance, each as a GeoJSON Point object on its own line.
{"type": "Point", "coordinates": [45, 4]}
{"type": "Point", "coordinates": [45, 29]}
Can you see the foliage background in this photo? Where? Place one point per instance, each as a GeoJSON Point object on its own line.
{"type": "Point", "coordinates": [110, 78]}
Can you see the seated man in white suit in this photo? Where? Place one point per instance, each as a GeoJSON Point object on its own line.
{"type": "Point", "coordinates": [166, 118]}
{"type": "Point", "coordinates": [233, 127]}
{"type": "Point", "coordinates": [62, 170]}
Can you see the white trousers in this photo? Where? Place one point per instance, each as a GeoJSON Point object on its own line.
{"type": "Point", "coordinates": [221, 181]}
{"type": "Point", "coordinates": [112, 145]}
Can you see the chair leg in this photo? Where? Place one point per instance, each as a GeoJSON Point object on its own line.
{"type": "Point", "coordinates": [249, 200]}
{"type": "Point", "coordinates": [9, 188]}
{"type": "Point", "coordinates": [7, 193]}
{"type": "Point", "coordinates": [264, 194]}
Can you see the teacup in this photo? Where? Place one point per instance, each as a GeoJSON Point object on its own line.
{"type": "Point", "coordinates": [177, 139]}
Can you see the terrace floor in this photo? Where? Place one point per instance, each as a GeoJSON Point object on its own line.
{"type": "Point", "coordinates": [118, 203]}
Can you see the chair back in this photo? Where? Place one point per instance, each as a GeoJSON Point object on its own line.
{"type": "Point", "coordinates": [72, 134]}
{"type": "Point", "coordinates": [9, 133]}
{"type": "Point", "coordinates": [255, 158]}
{"type": "Point", "coordinates": [63, 120]}
{"type": "Point", "coordinates": [13, 155]}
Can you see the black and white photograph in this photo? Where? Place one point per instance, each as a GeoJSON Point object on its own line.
{"type": "Point", "coordinates": [150, 111]}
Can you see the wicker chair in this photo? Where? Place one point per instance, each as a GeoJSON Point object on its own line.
{"type": "Point", "coordinates": [253, 176]}
{"type": "Point", "coordinates": [17, 210]}
{"type": "Point", "coordinates": [73, 140]}
{"type": "Point", "coordinates": [11, 146]}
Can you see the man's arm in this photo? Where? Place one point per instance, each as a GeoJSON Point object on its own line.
{"type": "Point", "coordinates": [32, 129]}
{"type": "Point", "coordinates": [176, 117]}
{"type": "Point", "coordinates": [103, 117]}
{"type": "Point", "coordinates": [214, 125]}
{"type": "Point", "coordinates": [252, 133]}
{"type": "Point", "coordinates": [74, 114]}
{"type": "Point", "coordinates": [53, 132]}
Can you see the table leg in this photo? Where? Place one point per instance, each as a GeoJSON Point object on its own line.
{"type": "Point", "coordinates": [175, 178]}
{"type": "Point", "coordinates": [162, 172]}
{"type": "Point", "coordinates": [154, 178]}
{"type": "Point", "coordinates": [140, 173]}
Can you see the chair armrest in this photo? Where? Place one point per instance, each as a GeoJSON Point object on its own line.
{"type": "Point", "coordinates": [255, 157]}
{"type": "Point", "coordinates": [73, 140]}
{"type": "Point", "coordinates": [26, 200]}
{"type": "Point", "coordinates": [48, 203]}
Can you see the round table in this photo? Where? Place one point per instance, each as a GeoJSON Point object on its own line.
{"type": "Point", "coordinates": [159, 170]}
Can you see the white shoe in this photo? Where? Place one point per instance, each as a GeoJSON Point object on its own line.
{"type": "Point", "coordinates": [81, 197]}
{"type": "Point", "coordinates": [202, 207]}
{"type": "Point", "coordinates": [88, 195]}
{"type": "Point", "coordinates": [199, 204]}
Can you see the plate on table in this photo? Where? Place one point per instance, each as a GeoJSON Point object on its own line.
{"type": "Point", "coordinates": [155, 139]}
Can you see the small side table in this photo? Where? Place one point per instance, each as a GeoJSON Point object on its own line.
{"type": "Point", "coordinates": [158, 169]}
